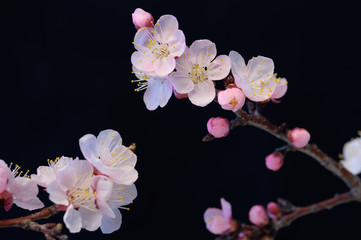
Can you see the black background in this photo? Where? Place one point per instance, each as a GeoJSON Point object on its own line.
{"type": "Point", "coordinates": [65, 71]}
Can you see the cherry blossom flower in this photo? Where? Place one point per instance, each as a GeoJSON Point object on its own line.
{"type": "Point", "coordinates": [231, 99]}
{"type": "Point", "coordinates": [218, 127]}
{"type": "Point", "coordinates": [158, 89]}
{"type": "Point", "coordinates": [18, 189]}
{"type": "Point", "coordinates": [142, 18]}
{"type": "Point", "coordinates": [352, 156]}
{"type": "Point", "coordinates": [258, 215]}
{"type": "Point", "coordinates": [196, 71]}
{"type": "Point", "coordinates": [299, 137]}
{"type": "Point", "coordinates": [72, 188]}
{"type": "Point", "coordinates": [219, 221]}
{"type": "Point", "coordinates": [107, 154]}
{"type": "Point", "coordinates": [46, 174]}
{"type": "Point", "coordinates": [157, 47]}
{"type": "Point", "coordinates": [109, 198]}
{"type": "Point", "coordinates": [257, 80]}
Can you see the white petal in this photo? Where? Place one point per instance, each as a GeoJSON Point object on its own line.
{"type": "Point", "coordinates": [30, 204]}
{"type": "Point", "coordinates": [165, 27]}
{"type": "Point", "coordinates": [176, 43]}
{"type": "Point", "coordinates": [72, 219]}
{"type": "Point", "coordinates": [88, 146]}
{"type": "Point", "coordinates": [107, 141]}
{"type": "Point", "coordinates": [45, 175]}
{"type": "Point", "coordinates": [23, 188]}
{"type": "Point", "coordinates": [57, 194]}
{"type": "Point", "coordinates": [202, 51]}
{"type": "Point", "coordinates": [141, 38]}
{"type": "Point", "coordinates": [167, 91]}
{"type": "Point", "coordinates": [110, 225]}
{"type": "Point", "coordinates": [143, 60]}
{"type": "Point", "coordinates": [164, 66]}
{"type": "Point", "coordinates": [352, 149]}
{"type": "Point", "coordinates": [260, 68]}
{"type": "Point", "coordinates": [239, 68]}
{"type": "Point", "coordinates": [158, 93]}
{"type": "Point", "coordinates": [124, 175]}
{"type": "Point", "coordinates": [123, 195]}
{"type": "Point", "coordinates": [203, 93]}
{"type": "Point", "coordinates": [280, 89]}
{"type": "Point", "coordinates": [219, 68]}
{"type": "Point", "coordinates": [90, 219]}
{"type": "Point", "coordinates": [181, 82]}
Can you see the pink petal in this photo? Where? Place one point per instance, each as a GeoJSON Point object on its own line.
{"type": "Point", "coordinates": [203, 93]}
{"type": "Point", "coordinates": [202, 51]}
{"type": "Point", "coordinates": [143, 61]}
{"type": "Point", "coordinates": [280, 89]}
{"type": "Point", "coordinates": [30, 204]}
{"type": "Point", "coordinates": [90, 219]}
{"type": "Point", "coordinates": [219, 68]}
{"type": "Point", "coordinates": [57, 194]}
{"type": "Point", "coordinates": [24, 188]}
{"type": "Point", "coordinates": [181, 82]}
{"type": "Point", "coordinates": [88, 146]}
{"type": "Point", "coordinates": [215, 221]}
{"type": "Point", "coordinates": [3, 178]}
{"type": "Point", "coordinates": [226, 209]}
{"type": "Point", "coordinates": [176, 43]}
{"type": "Point", "coordinates": [164, 66]}
{"type": "Point", "coordinates": [165, 27]}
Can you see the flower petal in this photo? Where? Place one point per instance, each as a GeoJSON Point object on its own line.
{"type": "Point", "coordinates": [226, 209]}
{"type": "Point", "coordinates": [90, 219]}
{"type": "Point", "coordinates": [164, 66]}
{"type": "Point", "coordinates": [280, 89]}
{"type": "Point", "coordinates": [88, 146]}
{"type": "Point", "coordinates": [3, 178]}
{"type": "Point", "coordinates": [125, 175]}
{"type": "Point", "coordinates": [181, 82]}
{"type": "Point", "coordinates": [143, 61]}
{"type": "Point", "coordinates": [165, 27]}
{"type": "Point", "coordinates": [123, 195]}
{"type": "Point", "coordinates": [107, 141]}
{"type": "Point", "coordinates": [215, 221]}
{"type": "Point", "coordinates": [219, 68]}
{"type": "Point", "coordinates": [203, 93]}
{"type": "Point", "coordinates": [23, 188]}
{"type": "Point", "coordinates": [30, 204]}
{"type": "Point", "coordinates": [202, 51]}
{"type": "Point", "coordinates": [109, 224]}
{"type": "Point", "coordinates": [158, 93]}
{"type": "Point", "coordinates": [57, 194]}
{"type": "Point", "coordinates": [72, 219]}
{"type": "Point", "coordinates": [176, 43]}
{"type": "Point", "coordinates": [141, 38]}
{"type": "Point", "coordinates": [239, 68]}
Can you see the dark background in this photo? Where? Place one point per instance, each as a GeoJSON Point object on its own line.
{"type": "Point", "coordinates": [65, 71]}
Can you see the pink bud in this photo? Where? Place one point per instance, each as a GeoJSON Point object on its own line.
{"type": "Point", "coordinates": [274, 161]}
{"type": "Point", "coordinates": [299, 137]}
{"type": "Point", "coordinates": [219, 221]}
{"type": "Point", "coordinates": [258, 215]}
{"type": "Point", "coordinates": [231, 99]}
{"type": "Point", "coordinates": [273, 210]}
{"type": "Point", "coordinates": [180, 95]}
{"type": "Point", "coordinates": [218, 127]}
{"type": "Point", "coordinates": [142, 18]}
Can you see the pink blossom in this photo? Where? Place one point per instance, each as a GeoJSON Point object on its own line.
{"type": "Point", "coordinates": [219, 221]}
{"type": "Point", "coordinates": [299, 137]}
{"type": "Point", "coordinates": [107, 154]}
{"type": "Point", "coordinates": [274, 161]}
{"type": "Point", "coordinates": [19, 189]}
{"type": "Point", "coordinates": [196, 69]}
{"type": "Point", "coordinates": [231, 99]}
{"type": "Point", "coordinates": [258, 215]}
{"type": "Point", "coordinates": [157, 48]}
{"type": "Point", "coordinates": [142, 18]}
{"type": "Point", "coordinates": [273, 210]}
{"type": "Point", "coordinates": [180, 95]}
{"type": "Point", "coordinates": [109, 198]}
{"type": "Point", "coordinates": [218, 127]}
{"type": "Point", "coordinates": [72, 188]}
{"type": "Point", "coordinates": [257, 79]}
{"type": "Point", "coordinates": [4, 175]}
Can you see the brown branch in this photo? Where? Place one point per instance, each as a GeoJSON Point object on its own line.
{"type": "Point", "coordinates": [51, 230]}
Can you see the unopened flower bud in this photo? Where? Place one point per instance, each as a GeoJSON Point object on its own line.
{"type": "Point", "coordinates": [274, 161]}
{"type": "Point", "coordinates": [218, 127]}
{"type": "Point", "coordinates": [258, 215]}
{"type": "Point", "coordinates": [142, 18]}
{"type": "Point", "coordinates": [231, 99]}
{"type": "Point", "coordinates": [273, 210]}
{"type": "Point", "coordinates": [299, 137]}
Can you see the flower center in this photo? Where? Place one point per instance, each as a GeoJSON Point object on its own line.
{"type": "Point", "coordinates": [198, 74]}
{"type": "Point", "coordinates": [82, 197]}
{"type": "Point", "coordinates": [161, 50]}
{"type": "Point", "coordinates": [233, 102]}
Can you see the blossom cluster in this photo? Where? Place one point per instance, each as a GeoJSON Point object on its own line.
{"type": "Point", "coordinates": [90, 191]}
{"type": "Point", "coordinates": [164, 64]}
